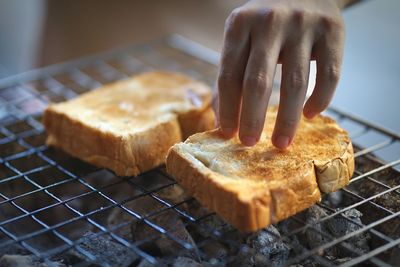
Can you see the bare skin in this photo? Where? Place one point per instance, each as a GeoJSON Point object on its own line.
{"type": "Point", "coordinates": [258, 36]}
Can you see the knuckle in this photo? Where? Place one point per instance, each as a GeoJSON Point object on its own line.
{"type": "Point", "coordinates": [256, 83]}
{"type": "Point", "coordinates": [332, 74]}
{"type": "Point", "coordinates": [236, 18]}
{"type": "Point", "coordinates": [331, 24]}
{"type": "Point", "coordinates": [297, 80]}
{"type": "Point", "coordinates": [269, 16]}
{"type": "Point", "coordinates": [300, 17]}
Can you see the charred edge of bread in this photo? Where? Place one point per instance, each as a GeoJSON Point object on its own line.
{"type": "Point", "coordinates": [248, 205]}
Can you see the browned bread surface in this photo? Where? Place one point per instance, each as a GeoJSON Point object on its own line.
{"type": "Point", "coordinates": [128, 126]}
{"type": "Point", "coordinates": [254, 187]}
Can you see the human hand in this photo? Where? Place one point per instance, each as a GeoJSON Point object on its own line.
{"type": "Point", "coordinates": [262, 33]}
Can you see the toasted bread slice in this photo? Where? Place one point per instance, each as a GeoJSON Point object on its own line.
{"type": "Point", "coordinates": [254, 187]}
{"type": "Point", "coordinates": [128, 126]}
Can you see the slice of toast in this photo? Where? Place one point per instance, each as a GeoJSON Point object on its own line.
{"type": "Point", "coordinates": [254, 187]}
{"type": "Point", "coordinates": [128, 126]}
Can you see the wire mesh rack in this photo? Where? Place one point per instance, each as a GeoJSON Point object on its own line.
{"type": "Point", "coordinates": [58, 210]}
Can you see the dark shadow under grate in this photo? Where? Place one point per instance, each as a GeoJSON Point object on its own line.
{"type": "Point", "coordinates": [57, 209]}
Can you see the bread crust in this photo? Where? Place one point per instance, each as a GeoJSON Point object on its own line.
{"type": "Point", "coordinates": [252, 203]}
{"type": "Point", "coordinates": [249, 206]}
{"type": "Point", "coordinates": [126, 156]}
{"type": "Point", "coordinates": [134, 151]}
{"type": "Point", "coordinates": [336, 173]}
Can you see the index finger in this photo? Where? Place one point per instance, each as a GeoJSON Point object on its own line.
{"type": "Point", "coordinates": [233, 62]}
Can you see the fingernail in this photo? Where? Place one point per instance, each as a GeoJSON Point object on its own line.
{"type": "Point", "coordinates": [248, 140]}
{"type": "Point", "coordinates": [282, 142]}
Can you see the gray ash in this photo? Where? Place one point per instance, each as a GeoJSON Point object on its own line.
{"type": "Point", "coordinates": [208, 226]}
{"type": "Point", "coordinates": [164, 245]}
{"type": "Point", "coordinates": [265, 247]}
{"type": "Point", "coordinates": [340, 225]}
{"type": "Point", "coordinates": [103, 249]}
{"type": "Point", "coordinates": [18, 260]}
{"type": "Point", "coordinates": [215, 252]}
{"type": "Point", "coordinates": [185, 262]}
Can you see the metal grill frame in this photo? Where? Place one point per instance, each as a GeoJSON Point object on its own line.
{"type": "Point", "coordinates": [200, 63]}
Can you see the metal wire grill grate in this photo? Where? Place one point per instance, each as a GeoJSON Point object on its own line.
{"type": "Point", "coordinates": [49, 202]}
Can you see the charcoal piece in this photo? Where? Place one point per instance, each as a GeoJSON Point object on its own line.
{"type": "Point", "coordinates": [17, 261]}
{"type": "Point", "coordinates": [215, 252]}
{"type": "Point", "coordinates": [323, 232]}
{"type": "Point", "coordinates": [173, 194]}
{"type": "Point", "coordinates": [333, 199]}
{"type": "Point", "coordinates": [171, 222]}
{"type": "Point", "coordinates": [268, 243]}
{"type": "Point", "coordinates": [395, 256]}
{"type": "Point", "coordinates": [308, 263]}
{"type": "Point", "coordinates": [185, 262]}
{"type": "Point", "coordinates": [117, 217]}
{"type": "Point", "coordinates": [8, 260]}
{"type": "Point", "coordinates": [142, 206]}
{"type": "Point", "coordinates": [247, 257]}
{"type": "Point", "coordinates": [145, 263]}
{"type": "Point", "coordinates": [316, 232]}
{"type": "Point", "coordinates": [265, 248]}
{"type": "Point", "coordinates": [206, 226]}
{"type": "Point", "coordinates": [13, 248]}
{"type": "Point", "coordinates": [338, 261]}
{"type": "Point", "coordinates": [340, 226]}
{"type": "Point", "coordinates": [161, 262]}
{"type": "Point", "coordinates": [292, 240]}
{"type": "Point", "coordinates": [104, 250]}
{"type": "Point", "coordinates": [390, 201]}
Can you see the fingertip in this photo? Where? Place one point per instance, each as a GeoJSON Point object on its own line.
{"type": "Point", "coordinates": [309, 114]}
{"type": "Point", "coordinates": [309, 110]}
{"type": "Point", "coordinates": [228, 132]}
{"type": "Point", "coordinates": [281, 141]}
{"type": "Point", "coordinates": [248, 140]}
